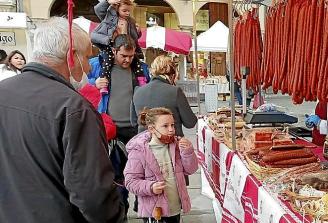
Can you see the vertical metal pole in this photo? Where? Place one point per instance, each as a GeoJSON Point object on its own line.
{"type": "Point", "coordinates": [232, 77]}
{"type": "Point", "coordinates": [196, 53]}
{"type": "Point", "coordinates": [243, 88]}
{"type": "Point", "coordinates": [265, 17]}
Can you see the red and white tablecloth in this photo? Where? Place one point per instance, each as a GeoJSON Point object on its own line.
{"type": "Point", "coordinates": [238, 194]}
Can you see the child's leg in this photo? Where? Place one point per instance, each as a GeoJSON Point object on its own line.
{"type": "Point", "coordinates": [107, 56]}
{"type": "Point", "coordinates": [136, 66]}
{"type": "Point", "coordinates": [135, 205]}
{"type": "Point", "coordinates": [106, 61]}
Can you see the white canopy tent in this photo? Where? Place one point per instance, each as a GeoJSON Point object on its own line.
{"type": "Point", "coordinates": [215, 39]}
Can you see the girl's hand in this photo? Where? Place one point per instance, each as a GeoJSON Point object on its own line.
{"type": "Point", "coordinates": [101, 82]}
{"type": "Point", "coordinates": [184, 143]}
{"type": "Point", "coordinates": [113, 2]}
{"type": "Point", "coordinates": [158, 187]}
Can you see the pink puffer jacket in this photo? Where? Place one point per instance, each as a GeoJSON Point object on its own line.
{"type": "Point", "coordinates": [142, 170]}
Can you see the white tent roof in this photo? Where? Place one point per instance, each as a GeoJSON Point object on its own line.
{"type": "Point", "coordinates": [215, 39]}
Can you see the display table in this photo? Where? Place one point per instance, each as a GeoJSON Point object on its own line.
{"type": "Point", "coordinates": [239, 196]}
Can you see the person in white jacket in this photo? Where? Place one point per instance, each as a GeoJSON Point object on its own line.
{"type": "Point", "coordinates": [13, 65]}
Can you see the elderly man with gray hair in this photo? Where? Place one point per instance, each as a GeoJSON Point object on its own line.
{"type": "Point", "coordinates": [53, 161]}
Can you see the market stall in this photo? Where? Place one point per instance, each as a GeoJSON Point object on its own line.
{"type": "Point", "coordinates": [268, 174]}
{"type": "Point", "coordinates": [244, 189]}
{"type": "Point", "coordinates": [210, 41]}
{"type": "Point", "coordinates": [165, 39]}
{"type": "Point", "coordinates": [212, 49]}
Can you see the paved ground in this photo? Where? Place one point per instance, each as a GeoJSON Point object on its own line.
{"type": "Point", "coordinates": [202, 210]}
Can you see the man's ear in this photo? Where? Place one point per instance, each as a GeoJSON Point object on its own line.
{"type": "Point", "coordinates": [74, 52]}
{"type": "Point", "coordinates": [114, 50]}
{"type": "Point", "coordinates": [67, 55]}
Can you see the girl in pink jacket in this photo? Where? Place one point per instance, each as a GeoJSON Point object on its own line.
{"type": "Point", "coordinates": [156, 167]}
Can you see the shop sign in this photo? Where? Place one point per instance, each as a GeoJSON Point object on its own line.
{"type": "Point", "coordinates": [202, 20]}
{"type": "Point", "coordinates": [7, 39]}
{"type": "Point", "coordinates": [13, 20]}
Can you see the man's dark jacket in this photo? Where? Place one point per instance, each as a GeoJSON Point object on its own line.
{"type": "Point", "coordinates": [53, 161]}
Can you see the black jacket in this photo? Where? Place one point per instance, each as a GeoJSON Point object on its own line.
{"type": "Point", "coordinates": [159, 93]}
{"type": "Point", "coordinates": [53, 161]}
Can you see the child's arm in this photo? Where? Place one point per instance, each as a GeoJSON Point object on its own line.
{"type": "Point", "coordinates": [102, 7]}
{"type": "Point", "coordinates": [134, 174]}
{"type": "Point", "coordinates": [188, 156]}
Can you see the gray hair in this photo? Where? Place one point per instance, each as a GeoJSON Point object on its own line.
{"type": "Point", "coordinates": [51, 40]}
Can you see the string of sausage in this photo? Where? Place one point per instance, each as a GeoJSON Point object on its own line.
{"type": "Point", "coordinates": [248, 48]}
{"type": "Point", "coordinates": [295, 54]}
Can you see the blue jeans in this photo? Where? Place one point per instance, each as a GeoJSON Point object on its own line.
{"type": "Point", "coordinates": [239, 97]}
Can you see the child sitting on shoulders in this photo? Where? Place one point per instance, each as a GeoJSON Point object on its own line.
{"type": "Point", "coordinates": [115, 20]}
{"type": "Point", "coordinates": [157, 163]}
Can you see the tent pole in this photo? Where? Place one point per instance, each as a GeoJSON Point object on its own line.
{"type": "Point", "coordinates": [196, 53]}
{"type": "Point", "coordinates": [232, 76]}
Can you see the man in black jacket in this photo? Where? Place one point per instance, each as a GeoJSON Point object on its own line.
{"type": "Point", "coordinates": [53, 161]}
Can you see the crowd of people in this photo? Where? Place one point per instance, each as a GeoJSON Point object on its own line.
{"type": "Point", "coordinates": [79, 138]}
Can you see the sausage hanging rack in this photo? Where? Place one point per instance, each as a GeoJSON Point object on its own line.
{"type": "Point", "coordinates": [231, 9]}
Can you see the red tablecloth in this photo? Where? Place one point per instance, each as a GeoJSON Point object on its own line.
{"type": "Point", "coordinates": [317, 150]}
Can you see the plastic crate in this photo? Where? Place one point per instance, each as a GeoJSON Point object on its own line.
{"type": "Point", "coordinates": [190, 90]}
{"type": "Point", "coordinates": [211, 97]}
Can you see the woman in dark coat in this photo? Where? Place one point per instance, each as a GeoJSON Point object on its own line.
{"type": "Point", "coordinates": [162, 92]}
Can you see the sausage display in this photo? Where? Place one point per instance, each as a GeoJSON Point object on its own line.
{"type": "Point", "coordinates": [248, 48]}
{"type": "Point", "coordinates": [286, 155]}
{"type": "Point", "coordinates": [295, 54]}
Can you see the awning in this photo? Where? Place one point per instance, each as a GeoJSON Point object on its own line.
{"type": "Point", "coordinates": [156, 37]}
{"type": "Point", "coordinates": [165, 39]}
{"type": "Point", "coordinates": [85, 24]}
{"type": "Point", "coordinates": [215, 39]}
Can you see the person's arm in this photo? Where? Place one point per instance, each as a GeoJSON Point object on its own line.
{"type": "Point", "coordinates": [87, 171]}
{"type": "Point", "coordinates": [101, 9]}
{"type": "Point", "coordinates": [323, 127]}
{"type": "Point", "coordinates": [187, 116]}
{"type": "Point", "coordinates": [133, 114]}
{"type": "Point", "coordinates": [134, 174]}
{"type": "Point", "coordinates": [95, 70]}
{"type": "Point", "coordinates": [146, 71]}
{"type": "Point", "coordinates": [110, 126]}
